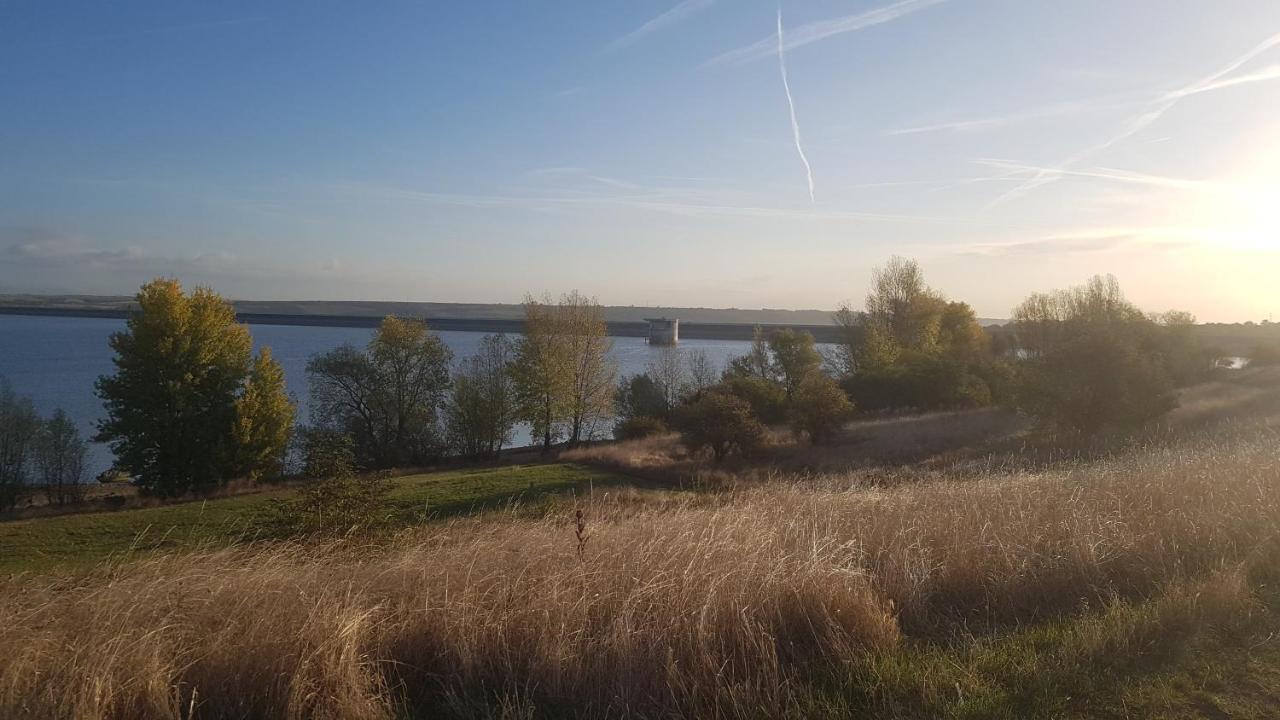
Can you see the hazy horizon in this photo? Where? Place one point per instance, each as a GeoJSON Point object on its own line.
{"type": "Point", "coordinates": [677, 153]}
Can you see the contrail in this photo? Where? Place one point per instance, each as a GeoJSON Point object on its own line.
{"type": "Point", "coordinates": [1153, 112]}
{"type": "Point", "coordinates": [795, 125]}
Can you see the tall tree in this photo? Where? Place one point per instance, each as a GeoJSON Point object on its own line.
{"type": "Point", "coordinates": [902, 304]}
{"type": "Point", "coordinates": [389, 397]}
{"type": "Point", "coordinates": [564, 372]}
{"type": "Point", "coordinates": [264, 420]}
{"type": "Point", "coordinates": [482, 408]}
{"type": "Point", "coordinates": [19, 429]}
{"type": "Point", "coordinates": [541, 372]}
{"type": "Point", "coordinates": [794, 357]}
{"type": "Point", "coordinates": [171, 404]}
{"type": "Point", "coordinates": [670, 375]}
{"type": "Point", "coordinates": [592, 368]}
{"type": "Point", "coordinates": [757, 363]}
{"type": "Point", "coordinates": [60, 460]}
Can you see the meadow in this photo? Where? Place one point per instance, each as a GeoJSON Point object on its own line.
{"type": "Point", "coordinates": [85, 540]}
{"type": "Point", "coordinates": [976, 577]}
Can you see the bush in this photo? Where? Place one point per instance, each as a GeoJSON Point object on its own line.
{"type": "Point", "coordinates": [327, 453]}
{"type": "Point", "coordinates": [1103, 380]}
{"type": "Point", "coordinates": [721, 422]}
{"type": "Point", "coordinates": [766, 398]}
{"type": "Point", "coordinates": [926, 381]}
{"type": "Point", "coordinates": [1265, 355]}
{"type": "Point", "coordinates": [819, 408]}
{"type": "Point", "coordinates": [640, 396]}
{"type": "Point", "coordinates": [341, 505]}
{"type": "Point", "coordinates": [336, 501]}
{"type": "Point", "coordinates": [639, 427]}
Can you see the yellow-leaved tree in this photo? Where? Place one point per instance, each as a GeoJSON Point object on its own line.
{"type": "Point", "coordinates": [264, 420]}
{"type": "Point", "coordinates": [173, 405]}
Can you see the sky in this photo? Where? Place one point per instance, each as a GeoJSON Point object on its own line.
{"type": "Point", "coordinates": [717, 153]}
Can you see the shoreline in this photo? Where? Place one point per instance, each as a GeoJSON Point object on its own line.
{"type": "Point", "coordinates": [689, 331]}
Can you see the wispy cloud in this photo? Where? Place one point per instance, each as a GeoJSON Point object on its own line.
{"type": "Point", "coordinates": [680, 12]}
{"type": "Point", "coordinates": [1151, 114]}
{"type": "Point", "coordinates": [823, 29]}
{"type": "Point", "coordinates": [584, 174]}
{"type": "Point", "coordinates": [986, 123]}
{"type": "Point", "coordinates": [1111, 174]}
{"type": "Point", "coordinates": [684, 202]}
{"type": "Point", "coordinates": [791, 106]}
{"type": "Point", "coordinates": [1089, 240]}
{"type": "Point", "coordinates": [1269, 73]}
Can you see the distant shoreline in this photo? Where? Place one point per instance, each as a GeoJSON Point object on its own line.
{"type": "Point", "coordinates": [688, 330]}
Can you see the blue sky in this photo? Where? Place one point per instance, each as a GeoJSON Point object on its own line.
{"type": "Point", "coordinates": [644, 152]}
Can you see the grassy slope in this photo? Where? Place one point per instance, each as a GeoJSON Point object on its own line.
{"type": "Point", "coordinates": [83, 540]}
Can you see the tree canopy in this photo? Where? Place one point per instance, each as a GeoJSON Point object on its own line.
{"type": "Point", "coordinates": [174, 403]}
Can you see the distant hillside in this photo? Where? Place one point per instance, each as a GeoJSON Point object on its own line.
{"type": "Point", "coordinates": [461, 311]}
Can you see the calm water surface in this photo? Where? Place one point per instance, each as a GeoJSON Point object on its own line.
{"type": "Point", "coordinates": [55, 361]}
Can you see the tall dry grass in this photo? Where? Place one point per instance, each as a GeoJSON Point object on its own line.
{"type": "Point", "coordinates": [711, 605]}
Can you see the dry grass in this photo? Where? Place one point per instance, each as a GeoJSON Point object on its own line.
{"type": "Point", "coordinates": [729, 604]}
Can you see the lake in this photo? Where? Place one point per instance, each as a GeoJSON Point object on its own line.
{"type": "Point", "coordinates": [55, 361]}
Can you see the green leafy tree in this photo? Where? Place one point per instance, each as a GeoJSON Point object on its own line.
{"type": "Point", "coordinates": [541, 373]}
{"type": "Point", "coordinates": [794, 358]}
{"type": "Point", "coordinates": [181, 366]}
{"type": "Point", "coordinates": [481, 411]}
{"type": "Point", "coordinates": [389, 397]}
{"type": "Point", "coordinates": [639, 396]}
{"type": "Point", "coordinates": [767, 399]}
{"type": "Point", "coordinates": [912, 348]}
{"type": "Point", "coordinates": [1095, 361]}
{"type": "Point", "coordinates": [758, 363]}
{"type": "Point", "coordinates": [564, 373]}
{"type": "Point", "coordinates": [722, 423]}
{"type": "Point", "coordinates": [1098, 381]}
{"type": "Point", "coordinates": [819, 408]}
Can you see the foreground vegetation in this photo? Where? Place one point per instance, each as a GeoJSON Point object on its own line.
{"type": "Point", "coordinates": [1139, 583]}
{"type": "Point", "coordinates": [1087, 523]}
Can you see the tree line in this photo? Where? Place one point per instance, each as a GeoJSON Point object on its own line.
{"type": "Point", "coordinates": [35, 450]}
{"type": "Point", "coordinates": [190, 406]}
{"type": "Point", "coordinates": [1081, 362]}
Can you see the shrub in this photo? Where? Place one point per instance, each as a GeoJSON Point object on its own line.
{"type": "Point", "coordinates": [925, 381]}
{"type": "Point", "coordinates": [1102, 380]}
{"type": "Point", "coordinates": [767, 399]}
{"type": "Point", "coordinates": [1265, 355]}
{"type": "Point", "coordinates": [337, 501]}
{"type": "Point", "coordinates": [327, 453]}
{"type": "Point", "coordinates": [639, 427]}
{"type": "Point", "coordinates": [819, 408]}
{"type": "Point", "coordinates": [721, 422]}
{"type": "Point", "coordinates": [640, 396]}
{"type": "Point", "coordinates": [341, 505]}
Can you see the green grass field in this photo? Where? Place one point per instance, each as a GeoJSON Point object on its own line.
{"type": "Point", "coordinates": [77, 541]}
